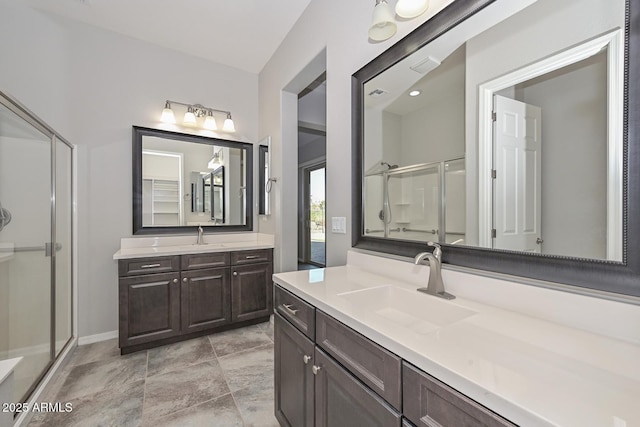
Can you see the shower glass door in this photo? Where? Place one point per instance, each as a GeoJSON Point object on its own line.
{"type": "Point", "coordinates": [25, 242]}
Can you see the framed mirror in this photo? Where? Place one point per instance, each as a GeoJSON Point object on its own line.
{"type": "Point", "coordinates": [263, 170]}
{"type": "Point", "coordinates": [184, 181]}
{"type": "Point", "coordinates": [506, 130]}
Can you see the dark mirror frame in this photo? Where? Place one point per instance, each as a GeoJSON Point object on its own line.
{"type": "Point", "coordinates": [138, 229]}
{"type": "Point", "coordinates": [616, 277]}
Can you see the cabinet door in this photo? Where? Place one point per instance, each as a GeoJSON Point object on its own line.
{"type": "Point", "coordinates": [251, 292]}
{"type": "Point", "coordinates": [431, 403]}
{"type": "Point", "coordinates": [206, 299]}
{"type": "Point", "coordinates": [293, 375]}
{"type": "Point", "coordinates": [342, 400]}
{"type": "Point", "coordinates": [149, 308]}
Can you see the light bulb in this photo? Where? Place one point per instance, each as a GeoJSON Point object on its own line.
{"type": "Point", "coordinates": [411, 8]}
{"type": "Point", "coordinates": [382, 25]}
{"type": "Point", "coordinates": [167, 114]}
{"type": "Point", "coordinates": [210, 122]}
{"type": "Point", "coordinates": [228, 125]}
{"type": "Point", "coordinates": [189, 117]}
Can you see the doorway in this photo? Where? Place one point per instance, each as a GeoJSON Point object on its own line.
{"type": "Point", "coordinates": [314, 253]}
{"type": "Point", "coordinates": [312, 175]}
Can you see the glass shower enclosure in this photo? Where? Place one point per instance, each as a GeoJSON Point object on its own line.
{"type": "Point", "coordinates": [36, 202]}
{"type": "Point", "coordinates": [419, 202]}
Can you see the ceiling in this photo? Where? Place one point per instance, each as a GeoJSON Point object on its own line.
{"type": "Point", "coordinates": [239, 33]}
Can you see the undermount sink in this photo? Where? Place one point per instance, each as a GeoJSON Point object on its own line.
{"type": "Point", "coordinates": [209, 245]}
{"type": "Point", "coordinates": [410, 309]}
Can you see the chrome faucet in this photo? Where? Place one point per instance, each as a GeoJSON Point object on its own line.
{"type": "Point", "coordinates": [435, 286]}
{"type": "Point", "coordinates": [200, 240]}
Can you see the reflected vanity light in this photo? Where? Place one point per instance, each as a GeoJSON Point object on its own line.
{"type": "Point", "coordinates": [194, 112]}
{"type": "Point", "coordinates": [215, 161]}
{"type": "Point", "coordinates": [415, 92]}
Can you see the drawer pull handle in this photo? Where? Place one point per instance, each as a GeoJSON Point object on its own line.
{"type": "Point", "coordinates": [252, 256]}
{"type": "Point", "coordinates": [185, 280]}
{"type": "Point", "coordinates": [150, 265]}
{"type": "Point", "coordinates": [289, 309]}
{"type": "Point", "coordinates": [175, 280]}
{"type": "Point", "coordinates": [316, 369]}
{"type": "Point", "coordinates": [306, 359]}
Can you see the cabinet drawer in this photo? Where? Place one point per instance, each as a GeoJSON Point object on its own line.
{"type": "Point", "coordinates": [208, 260]}
{"type": "Point", "coordinates": [251, 257]}
{"type": "Point", "coordinates": [373, 365]}
{"type": "Point", "coordinates": [429, 402]}
{"type": "Point", "coordinates": [301, 314]}
{"type": "Point", "coordinates": [163, 264]}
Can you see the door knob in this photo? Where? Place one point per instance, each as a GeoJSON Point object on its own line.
{"type": "Point", "coordinates": [306, 359]}
{"type": "Point", "coordinates": [539, 241]}
{"type": "Point", "coordinates": [185, 280]}
{"type": "Point", "coordinates": [235, 273]}
{"type": "Point", "coordinates": [316, 369]}
{"type": "Point", "coordinates": [175, 280]}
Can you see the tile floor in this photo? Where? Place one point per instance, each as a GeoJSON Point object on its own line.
{"type": "Point", "coordinates": [220, 380]}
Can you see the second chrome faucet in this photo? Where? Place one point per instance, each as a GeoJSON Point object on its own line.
{"type": "Point", "coordinates": [435, 285]}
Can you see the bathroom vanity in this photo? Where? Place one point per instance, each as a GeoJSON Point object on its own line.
{"type": "Point", "coordinates": [171, 289]}
{"type": "Point", "coordinates": [359, 343]}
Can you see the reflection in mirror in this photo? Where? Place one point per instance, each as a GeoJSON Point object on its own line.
{"type": "Point", "coordinates": [264, 180]}
{"type": "Point", "coordinates": [187, 180]}
{"type": "Point", "coordinates": [505, 133]}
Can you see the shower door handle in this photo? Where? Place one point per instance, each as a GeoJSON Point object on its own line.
{"type": "Point", "coordinates": [539, 241]}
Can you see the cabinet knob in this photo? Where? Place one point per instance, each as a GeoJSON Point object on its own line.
{"type": "Point", "coordinates": [235, 273]}
{"type": "Point", "coordinates": [316, 369]}
{"type": "Point", "coordinates": [175, 280]}
{"type": "Point", "coordinates": [185, 280]}
{"type": "Point", "coordinates": [306, 359]}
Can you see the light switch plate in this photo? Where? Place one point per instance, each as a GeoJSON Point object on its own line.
{"type": "Point", "coordinates": [339, 224]}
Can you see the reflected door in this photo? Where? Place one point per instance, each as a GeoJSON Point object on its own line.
{"type": "Point", "coordinates": [25, 257]}
{"type": "Point", "coordinates": [517, 183]}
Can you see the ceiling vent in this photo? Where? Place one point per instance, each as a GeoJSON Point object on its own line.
{"type": "Point", "coordinates": [377, 92]}
{"type": "Point", "coordinates": [426, 65]}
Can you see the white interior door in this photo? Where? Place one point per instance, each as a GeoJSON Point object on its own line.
{"type": "Point", "coordinates": [517, 183]}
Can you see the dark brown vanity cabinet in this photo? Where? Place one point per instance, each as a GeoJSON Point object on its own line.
{"type": "Point", "coordinates": [337, 377]}
{"type": "Point", "coordinates": [167, 299]}
{"type": "Point", "coordinates": [313, 384]}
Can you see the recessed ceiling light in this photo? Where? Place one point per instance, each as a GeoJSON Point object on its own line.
{"type": "Point", "coordinates": [415, 92]}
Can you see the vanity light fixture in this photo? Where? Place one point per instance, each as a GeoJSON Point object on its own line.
{"type": "Point", "coordinates": [228, 125]}
{"type": "Point", "coordinates": [415, 92]}
{"type": "Point", "coordinates": [167, 114]}
{"type": "Point", "coordinates": [382, 25]}
{"type": "Point", "coordinates": [411, 8]}
{"type": "Point", "coordinates": [194, 112]}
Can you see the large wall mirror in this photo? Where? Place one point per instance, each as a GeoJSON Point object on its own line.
{"type": "Point", "coordinates": [507, 131]}
{"type": "Point", "coordinates": [182, 181]}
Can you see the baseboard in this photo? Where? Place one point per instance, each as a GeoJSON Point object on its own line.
{"type": "Point", "coordinates": [90, 339]}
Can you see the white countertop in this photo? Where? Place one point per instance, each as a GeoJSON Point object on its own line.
{"type": "Point", "coordinates": [141, 247]}
{"type": "Point", "coordinates": [533, 372]}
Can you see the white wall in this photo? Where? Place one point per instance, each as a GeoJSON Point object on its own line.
{"type": "Point", "coordinates": [341, 28]}
{"type": "Point", "coordinates": [108, 83]}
